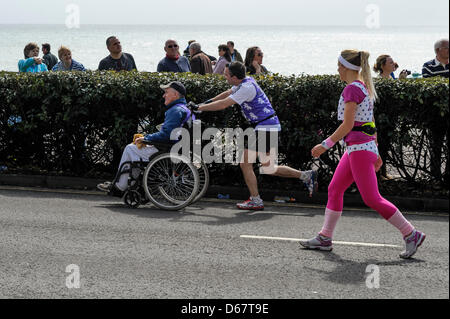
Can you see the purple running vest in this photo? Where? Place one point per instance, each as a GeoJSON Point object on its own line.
{"type": "Point", "coordinates": [259, 108]}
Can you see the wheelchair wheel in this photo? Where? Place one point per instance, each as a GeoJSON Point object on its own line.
{"type": "Point", "coordinates": [171, 181]}
{"type": "Point", "coordinates": [203, 174]}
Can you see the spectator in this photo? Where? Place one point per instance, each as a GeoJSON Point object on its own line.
{"type": "Point", "coordinates": [385, 67]}
{"type": "Point", "coordinates": [67, 63]}
{"type": "Point", "coordinates": [224, 59]}
{"type": "Point", "coordinates": [117, 60]}
{"type": "Point", "coordinates": [186, 51]}
{"type": "Point", "coordinates": [213, 59]}
{"type": "Point", "coordinates": [438, 66]}
{"type": "Point", "coordinates": [32, 62]}
{"type": "Point", "coordinates": [49, 59]}
{"type": "Point", "coordinates": [200, 63]}
{"type": "Point", "coordinates": [235, 55]}
{"type": "Point", "coordinates": [253, 61]}
{"type": "Point", "coordinates": [173, 62]}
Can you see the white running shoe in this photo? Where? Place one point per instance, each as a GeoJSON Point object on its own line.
{"type": "Point", "coordinates": [251, 204]}
{"type": "Point", "coordinates": [319, 242]}
{"type": "Point", "coordinates": [413, 242]}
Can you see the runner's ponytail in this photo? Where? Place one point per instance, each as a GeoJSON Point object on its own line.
{"type": "Point", "coordinates": [359, 61]}
{"type": "Point", "coordinates": [367, 75]}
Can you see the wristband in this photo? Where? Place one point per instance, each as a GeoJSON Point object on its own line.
{"type": "Point", "coordinates": [328, 143]}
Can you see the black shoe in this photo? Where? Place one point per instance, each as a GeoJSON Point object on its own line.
{"type": "Point", "coordinates": [115, 192]}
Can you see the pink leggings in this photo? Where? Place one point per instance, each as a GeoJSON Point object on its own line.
{"type": "Point", "coordinates": [358, 167]}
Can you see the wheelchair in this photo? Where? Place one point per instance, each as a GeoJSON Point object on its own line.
{"type": "Point", "coordinates": [169, 181]}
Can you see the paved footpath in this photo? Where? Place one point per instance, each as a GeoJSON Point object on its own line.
{"type": "Point", "coordinates": [210, 250]}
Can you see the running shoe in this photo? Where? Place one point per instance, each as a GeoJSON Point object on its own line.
{"type": "Point", "coordinates": [413, 242]}
{"type": "Point", "coordinates": [319, 242]}
{"type": "Point", "coordinates": [311, 182]}
{"type": "Point", "coordinates": [251, 204]}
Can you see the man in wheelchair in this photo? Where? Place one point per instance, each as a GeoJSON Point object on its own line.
{"type": "Point", "coordinates": [141, 150]}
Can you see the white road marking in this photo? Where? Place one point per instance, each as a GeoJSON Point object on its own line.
{"type": "Point", "coordinates": [344, 243]}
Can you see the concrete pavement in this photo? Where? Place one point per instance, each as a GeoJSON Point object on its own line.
{"type": "Point", "coordinates": [210, 250]}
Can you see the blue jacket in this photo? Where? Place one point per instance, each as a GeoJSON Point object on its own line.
{"type": "Point", "coordinates": [175, 116]}
{"type": "Point", "coordinates": [29, 66]}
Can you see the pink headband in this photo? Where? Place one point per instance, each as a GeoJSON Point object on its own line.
{"type": "Point", "coordinates": [348, 65]}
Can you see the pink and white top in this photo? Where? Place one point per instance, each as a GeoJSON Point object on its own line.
{"type": "Point", "coordinates": [357, 92]}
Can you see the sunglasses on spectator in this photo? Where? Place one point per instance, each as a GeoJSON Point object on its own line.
{"type": "Point", "coordinates": [172, 46]}
{"type": "Point", "coordinates": [260, 54]}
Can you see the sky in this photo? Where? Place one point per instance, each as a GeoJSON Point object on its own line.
{"type": "Point", "coordinates": [229, 12]}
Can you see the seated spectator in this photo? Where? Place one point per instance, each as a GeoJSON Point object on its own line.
{"type": "Point", "coordinates": [224, 59]}
{"type": "Point", "coordinates": [32, 62]}
{"type": "Point", "coordinates": [235, 55]}
{"type": "Point", "coordinates": [173, 62]}
{"type": "Point", "coordinates": [438, 66]}
{"type": "Point", "coordinates": [200, 63]}
{"type": "Point", "coordinates": [116, 60]}
{"type": "Point", "coordinates": [176, 116]}
{"type": "Point", "coordinates": [49, 59]}
{"type": "Point", "coordinates": [67, 63]}
{"type": "Point", "coordinates": [253, 61]}
{"type": "Point", "coordinates": [385, 67]}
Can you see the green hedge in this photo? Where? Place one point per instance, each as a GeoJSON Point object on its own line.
{"type": "Point", "coordinates": [78, 123]}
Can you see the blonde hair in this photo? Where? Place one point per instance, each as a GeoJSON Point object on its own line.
{"type": "Point", "coordinates": [381, 61]}
{"type": "Point", "coordinates": [361, 59]}
{"type": "Point", "coordinates": [63, 50]}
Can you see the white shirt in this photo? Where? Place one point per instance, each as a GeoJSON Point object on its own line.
{"type": "Point", "coordinates": [245, 92]}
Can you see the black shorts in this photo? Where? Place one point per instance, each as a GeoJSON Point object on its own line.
{"type": "Point", "coordinates": [264, 141]}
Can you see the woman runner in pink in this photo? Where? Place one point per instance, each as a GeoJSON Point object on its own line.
{"type": "Point", "coordinates": [361, 160]}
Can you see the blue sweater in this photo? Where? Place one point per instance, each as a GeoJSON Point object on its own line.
{"type": "Point", "coordinates": [75, 66]}
{"type": "Point", "coordinates": [180, 65]}
{"type": "Point", "coordinates": [174, 117]}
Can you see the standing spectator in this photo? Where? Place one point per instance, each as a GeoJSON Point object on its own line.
{"type": "Point", "coordinates": [32, 62]}
{"type": "Point", "coordinates": [67, 63]}
{"type": "Point", "coordinates": [186, 51]}
{"type": "Point", "coordinates": [235, 55]}
{"type": "Point", "coordinates": [385, 67]}
{"type": "Point", "coordinates": [224, 59]}
{"type": "Point", "coordinates": [253, 61]}
{"type": "Point", "coordinates": [200, 63]}
{"type": "Point", "coordinates": [438, 66]}
{"type": "Point", "coordinates": [49, 59]}
{"type": "Point", "coordinates": [173, 62]}
{"type": "Point", "coordinates": [117, 60]}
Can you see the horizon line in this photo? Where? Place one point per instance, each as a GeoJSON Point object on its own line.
{"type": "Point", "coordinates": [223, 25]}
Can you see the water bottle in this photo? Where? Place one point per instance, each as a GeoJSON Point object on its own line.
{"type": "Point", "coordinates": [3, 168]}
{"type": "Point", "coordinates": [416, 75]}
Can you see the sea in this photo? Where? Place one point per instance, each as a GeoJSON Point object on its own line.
{"type": "Point", "coordinates": [287, 50]}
